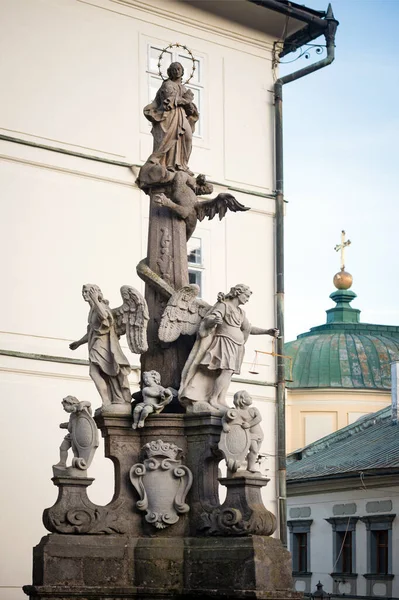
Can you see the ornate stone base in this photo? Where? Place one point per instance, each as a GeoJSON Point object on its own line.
{"type": "Point", "coordinates": [243, 512]}
{"type": "Point", "coordinates": [103, 567]}
{"type": "Point", "coordinates": [73, 512]}
{"type": "Point", "coordinates": [114, 552]}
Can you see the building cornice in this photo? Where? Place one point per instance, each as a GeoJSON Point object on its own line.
{"type": "Point", "coordinates": [165, 14]}
{"type": "Point", "coordinates": [340, 483]}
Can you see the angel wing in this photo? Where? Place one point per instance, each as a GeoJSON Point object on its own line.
{"type": "Point", "coordinates": [183, 314]}
{"type": "Point", "coordinates": [219, 205]}
{"type": "Point", "coordinates": [131, 319]}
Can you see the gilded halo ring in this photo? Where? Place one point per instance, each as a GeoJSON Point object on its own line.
{"type": "Point", "coordinates": [191, 55]}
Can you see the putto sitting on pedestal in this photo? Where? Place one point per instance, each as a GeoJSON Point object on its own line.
{"type": "Point", "coordinates": [155, 398]}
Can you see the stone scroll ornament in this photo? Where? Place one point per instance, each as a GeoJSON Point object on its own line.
{"type": "Point", "coordinates": [82, 438]}
{"type": "Point", "coordinates": [162, 483]}
{"type": "Point", "coordinates": [109, 367]}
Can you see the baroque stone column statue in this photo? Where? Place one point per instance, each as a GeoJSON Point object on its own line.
{"type": "Point", "coordinates": [165, 533]}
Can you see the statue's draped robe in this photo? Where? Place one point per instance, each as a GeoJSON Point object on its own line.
{"type": "Point", "coordinates": [219, 348]}
{"type": "Point", "coordinates": [172, 124]}
{"type": "Point", "coordinates": [105, 352]}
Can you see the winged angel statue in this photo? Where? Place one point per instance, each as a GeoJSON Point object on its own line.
{"type": "Point", "coordinates": [218, 352]}
{"type": "Point", "coordinates": [109, 367]}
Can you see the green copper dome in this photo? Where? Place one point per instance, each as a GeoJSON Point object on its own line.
{"type": "Point", "coordinates": [343, 353]}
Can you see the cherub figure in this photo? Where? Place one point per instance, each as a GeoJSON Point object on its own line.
{"type": "Point", "coordinates": [248, 417]}
{"type": "Point", "coordinates": [109, 367]}
{"type": "Point", "coordinates": [82, 435]}
{"type": "Point", "coordinates": [155, 398]}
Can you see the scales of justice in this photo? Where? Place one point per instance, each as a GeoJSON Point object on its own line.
{"type": "Point", "coordinates": [165, 533]}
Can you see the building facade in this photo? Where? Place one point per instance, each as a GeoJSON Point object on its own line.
{"type": "Point", "coordinates": [343, 504]}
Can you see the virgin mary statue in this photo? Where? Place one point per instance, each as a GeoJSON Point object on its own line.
{"type": "Point", "coordinates": [173, 116]}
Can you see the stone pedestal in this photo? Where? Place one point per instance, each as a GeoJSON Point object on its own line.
{"type": "Point", "coordinates": [73, 512]}
{"type": "Point", "coordinates": [104, 567]}
{"type": "Point", "coordinates": [243, 512]}
{"type": "Point", "coordinates": [132, 558]}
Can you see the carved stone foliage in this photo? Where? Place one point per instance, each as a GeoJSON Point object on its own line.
{"type": "Point", "coordinates": [165, 259]}
{"type": "Point", "coordinates": [75, 513]}
{"type": "Point", "coordinates": [162, 483]}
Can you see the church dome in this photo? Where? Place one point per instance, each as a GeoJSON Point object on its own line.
{"type": "Point", "coordinates": [343, 353]}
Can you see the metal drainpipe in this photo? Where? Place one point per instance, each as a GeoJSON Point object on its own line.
{"type": "Point", "coordinates": [278, 95]}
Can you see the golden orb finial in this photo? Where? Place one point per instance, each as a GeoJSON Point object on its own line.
{"type": "Point", "coordinates": [343, 280]}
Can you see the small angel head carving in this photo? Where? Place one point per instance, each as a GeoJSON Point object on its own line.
{"type": "Point", "coordinates": [189, 294]}
{"type": "Point", "coordinates": [242, 399]}
{"type": "Point", "coordinates": [151, 377]}
{"type": "Point", "coordinates": [69, 403]}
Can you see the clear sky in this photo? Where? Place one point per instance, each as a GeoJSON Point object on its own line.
{"type": "Point", "coordinates": [341, 139]}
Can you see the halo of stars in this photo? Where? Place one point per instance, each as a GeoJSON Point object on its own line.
{"type": "Point", "coordinates": [191, 55]}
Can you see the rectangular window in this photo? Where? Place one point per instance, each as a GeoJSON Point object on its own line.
{"type": "Point", "coordinates": [345, 550]}
{"type": "Point", "coordinates": [379, 545]}
{"type": "Point", "coordinates": [301, 543]}
{"type": "Point", "coordinates": [195, 262]}
{"type": "Point", "coordinates": [381, 550]}
{"type": "Point", "coordinates": [344, 544]}
{"type": "Point", "coordinates": [300, 546]}
{"type": "Point", "coordinates": [196, 83]}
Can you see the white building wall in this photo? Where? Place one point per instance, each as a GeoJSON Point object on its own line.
{"type": "Point", "coordinates": [76, 80]}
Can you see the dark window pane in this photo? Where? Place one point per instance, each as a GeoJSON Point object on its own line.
{"type": "Point", "coordinates": [344, 551]}
{"type": "Point", "coordinates": [381, 551]}
{"type": "Point", "coordinates": [301, 552]}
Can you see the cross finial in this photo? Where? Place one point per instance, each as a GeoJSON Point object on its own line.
{"type": "Point", "coordinates": [341, 247]}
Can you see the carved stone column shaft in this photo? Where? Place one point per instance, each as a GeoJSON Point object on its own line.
{"type": "Point", "coordinates": [166, 256]}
